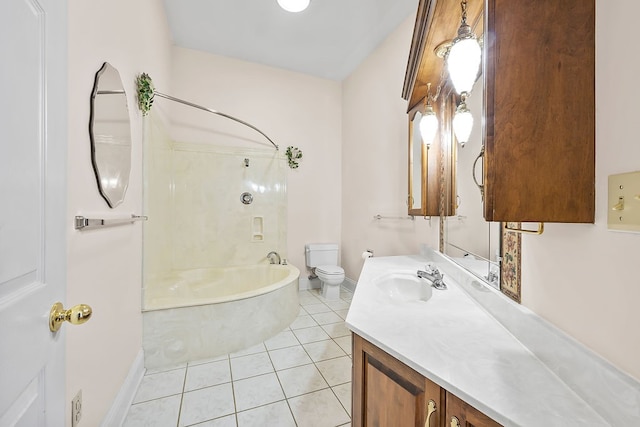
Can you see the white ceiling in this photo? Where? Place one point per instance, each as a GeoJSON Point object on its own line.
{"type": "Point", "coordinates": [329, 39]}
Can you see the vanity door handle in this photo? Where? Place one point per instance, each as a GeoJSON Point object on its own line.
{"type": "Point", "coordinates": [431, 409]}
{"type": "Point", "coordinates": [455, 422]}
{"type": "Point", "coordinates": [473, 173]}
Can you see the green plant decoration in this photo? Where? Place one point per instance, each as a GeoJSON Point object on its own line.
{"type": "Point", "coordinates": [293, 155]}
{"type": "Point", "coordinates": [146, 92]}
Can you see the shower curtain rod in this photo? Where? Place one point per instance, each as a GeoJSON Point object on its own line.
{"type": "Point", "coordinates": [199, 107]}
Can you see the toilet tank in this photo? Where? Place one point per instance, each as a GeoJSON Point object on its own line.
{"type": "Point", "coordinates": [321, 254]}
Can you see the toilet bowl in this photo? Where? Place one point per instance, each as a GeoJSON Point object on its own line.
{"type": "Point", "coordinates": [331, 277]}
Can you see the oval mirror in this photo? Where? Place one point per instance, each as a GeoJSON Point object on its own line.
{"type": "Point", "coordinates": [110, 132]}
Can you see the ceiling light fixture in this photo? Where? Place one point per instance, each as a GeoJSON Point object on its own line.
{"type": "Point", "coordinates": [464, 56]}
{"type": "Point", "coordinates": [294, 5]}
{"type": "Point", "coordinates": [429, 120]}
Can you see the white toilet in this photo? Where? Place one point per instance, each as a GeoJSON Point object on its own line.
{"type": "Point", "coordinates": [324, 258]}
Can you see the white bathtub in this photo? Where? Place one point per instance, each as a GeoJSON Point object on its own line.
{"type": "Point", "coordinates": [200, 314]}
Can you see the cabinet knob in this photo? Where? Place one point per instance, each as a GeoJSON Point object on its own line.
{"type": "Point", "coordinates": [455, 422]}
{"type": "Point", "coordinates": [431, 409]}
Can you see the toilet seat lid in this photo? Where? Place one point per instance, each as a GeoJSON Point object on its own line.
{"type": "Point", "coordinates": [330, 270]}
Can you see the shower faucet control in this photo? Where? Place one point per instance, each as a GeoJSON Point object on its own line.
{"type": "Point", "coordinates": [273, 254]}
{"type": "Point", "coordinates": [246, 198]}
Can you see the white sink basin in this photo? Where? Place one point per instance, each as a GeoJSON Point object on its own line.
{"type": "Point", "coordinates": [404, 287]}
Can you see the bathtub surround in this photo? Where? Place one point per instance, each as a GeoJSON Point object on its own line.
{"type": "Point", "coordinates": [293, 109]}
{"type": "Point", "coordinates": [193, 200]}
{"type": "Point", "coordinates": [215, 213]}
{"type": "Point", "coordinates": [196, 332]}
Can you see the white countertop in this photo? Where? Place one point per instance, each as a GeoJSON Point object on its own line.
{"type": "Point", "coordinates": [454, 341]}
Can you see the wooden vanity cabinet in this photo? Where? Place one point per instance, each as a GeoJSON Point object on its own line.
{"type": "Point", "coordinates": [539, 101]}
{"type": "Point", "coordinates": [386, 392]}
{"type": "Point", "coordinates": [461, 414]}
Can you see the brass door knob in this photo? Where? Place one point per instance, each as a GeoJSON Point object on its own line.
{"type": "Point", "coordinates": [76, 315]}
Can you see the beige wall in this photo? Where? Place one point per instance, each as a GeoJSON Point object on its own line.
{"type": "Point", "coordinates": [104, 266]}
{"type": "Point", "coordinates": [292, 109]}
{"type": "Point", "coordinates": [584, 278]}
{"type": "Point", "coordinates": [374, 158]}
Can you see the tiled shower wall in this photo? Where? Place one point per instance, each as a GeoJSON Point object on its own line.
{"type": "Point", "coordinates": [193, 200]}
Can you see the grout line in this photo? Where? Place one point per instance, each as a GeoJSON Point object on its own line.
{"type": "Point", "coordinates": [184, 385]}
{"type": "Point", "coordinates": [233, 392]}
{"type": "Point", "coordinates": [228, 358]}
{"type": "Point", "coordinates": [319, 371]}
{"type": "Point", "coordinates": [281, 387]}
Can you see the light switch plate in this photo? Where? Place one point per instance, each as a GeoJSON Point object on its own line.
{"type": "Point", "coordinates": [624, 202]}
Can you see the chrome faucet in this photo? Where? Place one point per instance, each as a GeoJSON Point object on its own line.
{"type": "Point", "coordinates": [271, 255]}
{"type": "Point", "coordinates": [434, 276]}
{"type": "Point", "coordinates": [493, 276]}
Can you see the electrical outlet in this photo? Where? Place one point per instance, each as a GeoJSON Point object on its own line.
{"type": "Point", "coordinates": [76, 409]}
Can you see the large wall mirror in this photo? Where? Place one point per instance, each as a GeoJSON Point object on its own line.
{"type": "Point", "coordinates": [471, 241]}
{"type": "Point", "coordinates": [416, 200]}
{"type": "Point", "coordinates": [426, 169]}
{"type": "Point", "coordinates": [110, 132]}
{"type": "Point", "coordinates": [486, 249]}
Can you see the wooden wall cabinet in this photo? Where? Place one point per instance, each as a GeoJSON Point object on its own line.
{"type": "Point", "coordinates": [539, 101]}
{"type": "Point", "coordinates": [539, 83]}
{"type": "Point", "coordinates": [386, 392]}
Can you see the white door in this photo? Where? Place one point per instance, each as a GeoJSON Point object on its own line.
{"type": "Point", "coordinates": [33, 222]}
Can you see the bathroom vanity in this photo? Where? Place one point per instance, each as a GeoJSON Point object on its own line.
{"type": "Point", "coordinates": [470, 356]}
{"type": "Point", "coordinates": [387, 392]}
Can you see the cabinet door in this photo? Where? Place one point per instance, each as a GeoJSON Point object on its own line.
{"type": "Point", "coordinates": [539, 80]}
{"type": "Point", "coordinates": [386, 392]}
{"type": "Point", "coordinates": [461, 414]}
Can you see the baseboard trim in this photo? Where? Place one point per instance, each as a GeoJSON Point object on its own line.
{"type": "Point", "coordinates": [305, 284]}
{"type": "Point", "coordinates": [121, 404]}
{"type": "Point", "coordinates": [349, 284]}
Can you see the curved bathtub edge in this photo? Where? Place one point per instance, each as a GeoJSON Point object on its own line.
{"type": "Point", "coordinates": [185, 334]}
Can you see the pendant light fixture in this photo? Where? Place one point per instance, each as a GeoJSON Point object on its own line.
{"type": "Point", "coordinates": [294, 5]}
{"type": "Point", "coordinates": [429, 121]}
{"type": "Point", "coordinates": [463, 122]}
{"type": "Point", "coordinates": [464, 56]}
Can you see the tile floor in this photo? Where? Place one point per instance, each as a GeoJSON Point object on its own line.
{"type": "Point", "coordinates": [300, 377]}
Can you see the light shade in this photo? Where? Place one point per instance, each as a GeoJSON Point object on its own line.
{"type": "Point", "coordinates": [294, 5]}
{"type": "Point", "coordinates": [428, 126]}
{"type": "Point", "coordinates": [463, 63]}
{"type": "Point", "coordinates": [462, 123]}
